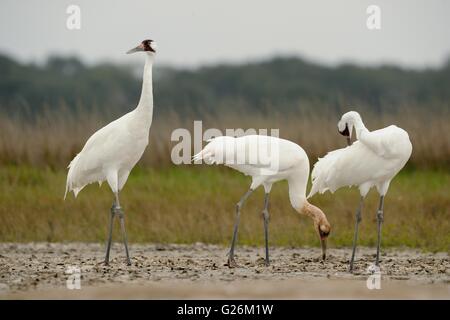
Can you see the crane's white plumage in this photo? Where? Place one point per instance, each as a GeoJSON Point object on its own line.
{"type": "Point", "coordinates": [111, 152]}
{"type": "Point", "coordinates": [267, 160]}
{"type": "Point", "coordinates": [373, 160]}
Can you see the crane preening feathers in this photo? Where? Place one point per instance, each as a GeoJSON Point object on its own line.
{"type": "Point", "coordinates": [267, 160]}
{"type": "Point", "coordinates": [371, 161]}
{"type": "Point", "coordinates": [111, 152]}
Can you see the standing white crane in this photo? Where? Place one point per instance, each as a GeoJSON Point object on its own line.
{"type": "Point", "coordinates": [267, 160]}
{"type": "Point", "coordinates": [373, 160]}
{"type": "Point", "coordinates": [111, 152]}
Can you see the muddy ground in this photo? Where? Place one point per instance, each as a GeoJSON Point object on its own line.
{"type": "Point", "coordinates": [39, 270]}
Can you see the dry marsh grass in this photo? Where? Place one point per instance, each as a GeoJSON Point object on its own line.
{"type": "Point", "coordinates": [53, 139]}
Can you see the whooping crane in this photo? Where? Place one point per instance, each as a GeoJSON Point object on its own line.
{"type": "Point", "coordinates": [267, 160]}
{"type": "Point", "coordinates": [373, 160]}
{"type": "Point", "coordinates": [111, 152]}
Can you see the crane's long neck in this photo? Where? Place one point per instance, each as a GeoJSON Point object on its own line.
{"type": "Point", "coordinates": [313, 212]}
{"type": "Point", "coordinates": [297, 196]}
{"type": "Point", "coordinates": [297, 190]}
{"type": "Point", "coordinates": [360, 128]}
{"type": "Point", "coordinates": [145, 105]}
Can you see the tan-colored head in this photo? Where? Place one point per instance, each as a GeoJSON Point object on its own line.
{"type": "Point", "coordinates": [321, 224]}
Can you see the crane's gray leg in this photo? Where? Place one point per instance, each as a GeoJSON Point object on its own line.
{"type": "Point", "coordinates": [379, 223]}
{"type": "Point", "coordinates": [355, 237]}
{"type": "Point", "coordinates": [111, 222]}
{"type": "Point", "coordinates": [231, 262]}
{"type": "Point", "coordinates": [117, 210]}
{"type": "Point", "coordinates": [121, 214]}
{"type": "Point", "coordinates": [266, 225]}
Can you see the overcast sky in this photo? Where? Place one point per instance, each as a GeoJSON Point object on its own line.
{"type": "Point", "coordinates": [414, 33]}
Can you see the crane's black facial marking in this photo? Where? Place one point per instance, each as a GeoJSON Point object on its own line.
{"type": "Point", "coordinates": [345, 132]}
{"type": "Point", "coordinates": [146, 44]}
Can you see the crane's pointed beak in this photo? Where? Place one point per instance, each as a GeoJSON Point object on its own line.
{"type": "Point", "coordinates": [323, 243]}
{"type": "Point", "coordinates": [137, 49]}
{"type": "Point", "coordinates": [346, 133]}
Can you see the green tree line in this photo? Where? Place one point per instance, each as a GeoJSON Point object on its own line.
{"type": "Point", "coordinates": [284, 84]}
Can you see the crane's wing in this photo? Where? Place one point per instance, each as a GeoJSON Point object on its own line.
{"type": "Point", "coordinates": [251, 154]}
{"type": "Point", "coordinates": [387, 142]}
{"type": "Point", "coordinates": [98, 150]}
{"type": "Point", "coordinates": [324, 171]}
{"type": "Point", "coordinates": [349, 166]}
{"type": "Point", "coordinates": [376, 156]}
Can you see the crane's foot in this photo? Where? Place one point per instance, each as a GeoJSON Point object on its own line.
{"type": "Point", "coordinates": [350, 266]}
{"type": "Point", "coordinates": [231, 262]}
{"type": "Point", "coordinates": [262, 262]}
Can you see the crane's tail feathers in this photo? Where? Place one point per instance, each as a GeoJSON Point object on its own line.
{"type": "Point", "coordinates": [323, 175]}
{"type": "Point", "coordinates": [71, 178]}
{"type": "Point", "coordinates": [315, 189]}
{"type": "Point", "coordinates": [312, 192]}
{"type": "Point", "coordinates": [197, 157]}
{"type": "Point", "coordinates": [204, 155]}
{"type": "Point", "coordinates": [74, 190]}
{"type": "Point", "coordinates": [217, 150]}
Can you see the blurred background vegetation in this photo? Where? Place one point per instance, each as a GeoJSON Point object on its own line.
{"type": "Point", "coordinates": [281, 84]}
{"type": "Point", "coordinates": [48, 111]}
